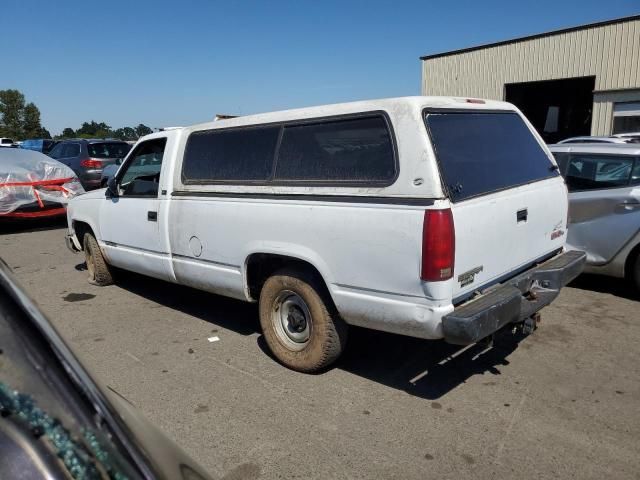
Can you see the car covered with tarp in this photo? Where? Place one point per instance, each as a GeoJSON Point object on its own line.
{"type": "Point", "coordinates": [34, 185]}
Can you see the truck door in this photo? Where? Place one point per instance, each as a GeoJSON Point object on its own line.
{"type": "Point", "coordinates": [129, 222]}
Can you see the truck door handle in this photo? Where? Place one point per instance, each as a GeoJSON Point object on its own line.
{"type": "Point", "coordinates": [521, 215]}
{"type": "Point", "coordinates": [152, 216]}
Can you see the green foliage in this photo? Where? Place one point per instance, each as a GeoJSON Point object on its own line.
{"type": "Point", "coordinates": [94, 129]}
{"type": "Point", "coordinates": [19, 120]}
{"type": "Point", "coordinates": [125, 133]}
{"type": "Point", "coordinates": [12, 113]}
{"type": "Point", "coordinates": [143, 130]}
{"type": "Point", "coordinates": [31, 126]}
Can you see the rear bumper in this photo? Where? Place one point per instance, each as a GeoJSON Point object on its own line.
{"type": "Point", "coordinates": [512, 301]}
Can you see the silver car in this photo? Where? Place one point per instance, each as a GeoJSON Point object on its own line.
{"type": "Point", "coordinates": [612, 139]}
{"type": "Point", "coordinates": [604, 205]}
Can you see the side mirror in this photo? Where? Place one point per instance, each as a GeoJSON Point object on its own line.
{"type": "Point", "coordinates": [112, 187]}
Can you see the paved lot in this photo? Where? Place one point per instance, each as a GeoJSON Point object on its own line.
{"type": "Point", "coordinates": [562, 403]}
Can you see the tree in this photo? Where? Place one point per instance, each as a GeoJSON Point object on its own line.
{"type": "Point", "coordinates": [129, 134]}
{"type": "Point", "coordinates": [142, 130]}
{"type": "Point", "coordinates": [11, 111]}
{"type": "Point", "coordinates": [94, 129]}
{"type": "Point", "coordinates": [31, 126]}
{"type": "Point", "coordinates": [18, 120]}
{"type": "Point", "coordinates": [44, 133]}
{"type": "Point", "coordinates": [125, 133]}
{"type": "Point", "coordinates": [68, 133]}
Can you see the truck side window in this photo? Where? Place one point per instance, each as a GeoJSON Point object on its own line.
{"type": "Point", "coordinates": [234, 155]}
{"type": "Point", "coordinates": [141, 175]}
{"type": "Point", "coordinates": [354, 150]}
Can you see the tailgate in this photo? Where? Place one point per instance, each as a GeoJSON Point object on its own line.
{"type": "Point", "coordinates": [498, 234]}
{"type": "Point", "coordinates": [509, 203]}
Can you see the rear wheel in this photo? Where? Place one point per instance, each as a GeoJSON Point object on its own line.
{"type": "Point", "coordinates": [97, 267]}
{"type": "Point", "coordinates": [300, 324]}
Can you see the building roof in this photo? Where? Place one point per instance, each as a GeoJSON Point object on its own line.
{"type": "Point", "coordinates": [531, 37]}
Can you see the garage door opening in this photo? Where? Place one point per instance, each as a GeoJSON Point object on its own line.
{"type": "Point", "coordinates": [558, 109]}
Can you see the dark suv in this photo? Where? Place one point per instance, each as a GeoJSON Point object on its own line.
{"type": "Point", "coordinates": [88, 157]}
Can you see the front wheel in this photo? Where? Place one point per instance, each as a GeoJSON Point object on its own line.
{"type": "Point", "coordinates": [97, 267]}
{"type": "Point", "coordinates": [300, 324]}
{"type": "Point", "coordinates": [636, 273]}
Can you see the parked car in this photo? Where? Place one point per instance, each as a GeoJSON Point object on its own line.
{"type": "Point", "coordinates": [610, 139]}
{"type": "Point", "coordinates": [424, 216]}
{"type": "Point", "coordinates": [57, 421]}
{"type": "Point", "coordinates": [34, 185]}
{"type": "Point", "coordinates": [627, 134]}
{"type": "Point", "coordinates": [43, 145]}
{"type": "Point", "coordinates": [632, 137]}
{"type": "Point", "coordinates": [88, 157]}
{"type": "Point", "coordinates": [604, 206]}
{"type": "Point", "coordinates": [6, 142]}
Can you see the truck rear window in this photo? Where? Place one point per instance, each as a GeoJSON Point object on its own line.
{"type": "Point", "coordinates": [481, 153]}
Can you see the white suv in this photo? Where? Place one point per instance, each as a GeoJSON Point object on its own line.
{"type": "Point", "coordinates": [424, 216]}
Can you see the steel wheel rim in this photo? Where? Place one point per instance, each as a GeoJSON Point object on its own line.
{"type": "Point", "coordinates": [291, 319]}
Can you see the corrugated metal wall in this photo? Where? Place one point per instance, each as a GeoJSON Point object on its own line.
{"type": "Point", "coordinates": [602, 118]}
{"type": "Point", "coordinates": [610, 52]}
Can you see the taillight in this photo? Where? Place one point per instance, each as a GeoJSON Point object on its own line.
{"type": "Point", "coordinates": [438, 245]}
{"type": "Point", "coordinates": [91, 163]}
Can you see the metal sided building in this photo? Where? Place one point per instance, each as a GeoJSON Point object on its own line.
{"type": "Point", "coordinates": [577, 81]}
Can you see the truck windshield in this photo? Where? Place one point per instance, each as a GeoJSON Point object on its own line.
{"type": "Point", "coordinates": [480, 153]}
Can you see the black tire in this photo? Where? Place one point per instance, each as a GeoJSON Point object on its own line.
{"type": "Point", "coordinates": [327, 332]}
{"type": "Point", "coordinates": [97, 267]}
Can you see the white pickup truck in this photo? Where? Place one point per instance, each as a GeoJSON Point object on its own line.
{"type": "Point", "coordinates": [424, 216]}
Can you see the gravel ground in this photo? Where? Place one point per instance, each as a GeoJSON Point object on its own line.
{"type": "Point", "coordinates": [561, 403]}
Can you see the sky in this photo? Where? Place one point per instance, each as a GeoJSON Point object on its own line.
{"type": "Point", "coordinates": [167, 63]}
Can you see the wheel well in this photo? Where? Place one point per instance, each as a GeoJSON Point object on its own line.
{"type": "Point", "coordinates": [260, 266]}
{"type": "Point", "coordinates": [80, 228]}
{"type": "Point", "coordinates": [628, 264]}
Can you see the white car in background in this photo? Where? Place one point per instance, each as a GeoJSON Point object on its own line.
{"type": "Point", "coordinates": [6, 142]}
